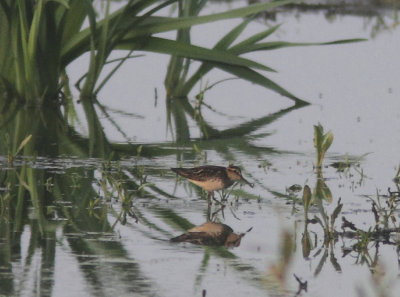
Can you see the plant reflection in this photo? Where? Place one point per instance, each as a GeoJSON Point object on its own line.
{"type": "Point", "coordinates": [42, 198]}
{"type": "Point", "coordinates": [54, 202]}
{"type": "Point", "coordinates": [379, 16]}
{"type": "Point", "coordinates": [356, 242]}
{"type": "Point", "coordinates": [276, 279]}
{"type": "Point", "coordinates": [320, 194]}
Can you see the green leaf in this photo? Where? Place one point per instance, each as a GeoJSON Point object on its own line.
{"type": "Point", "coordinates": [246, 48]}
{"type": "Point", "coordinates": [322, 142]}
{"type": "Point", "coordinates": [327, 140]}
{"type": "Point", "coordinates": [223, 44]}
{"type": "Point", "coordinates": [91, 14]}
{"type": "Point", "coordinates": [255, 38]}
{"type": "Point", "coordinates": [306, 243]}
{"type": "Point", "coordinates": [167, 46]}
{"type": "Point", "coordinates": [336, 212]}
{"type": "Point", "coordinates": [180, 23]}
{"type": "Point", "coordinates": [71, 20]}
{"type": "Point", "coordinates": [322, 191]}
{"type": "Point", "coordinates": [62, 2]}
{"type": "Point", "coordinates": [306, 198]}
{"type": "Point", "coordinates": [154, 25]}
{"type": "Point", "coordinates": [6, 9]}
{"type": "Point", "coordinates": [255, 77]}
{"type": "Point", "coordinates": [23, 143]}
{"type": "Point", "coordinates": [229, 38]}
{"type": "Point", "coordinates": [33, 36]}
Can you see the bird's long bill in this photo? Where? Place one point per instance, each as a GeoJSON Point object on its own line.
{"type": "Point", "coordinates": [246, 181]}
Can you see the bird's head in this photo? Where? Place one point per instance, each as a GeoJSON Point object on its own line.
{"type": "Point", "coordinates": [235, 174]}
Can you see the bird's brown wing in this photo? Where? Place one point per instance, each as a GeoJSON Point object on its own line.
{"type": "Point", "coordinates": [200, 173]}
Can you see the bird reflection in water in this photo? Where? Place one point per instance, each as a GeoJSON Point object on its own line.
{"type": "Point", "coordinates": [211, 234]}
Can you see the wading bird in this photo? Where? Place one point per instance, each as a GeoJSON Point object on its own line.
{"type": "Point", "coordinates": [212, 178]}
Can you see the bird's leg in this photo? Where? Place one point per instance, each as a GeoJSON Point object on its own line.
{"type": "Point", "coordinates": [214, 214]}
{"type": "Point", "coordinates": [216, 201]}
{"type": "Point", "coordinates": [209, 198]}
{"type": "Point", "coordinates": [209, 217]}
{"type": "Point", "coordinates": [224, 196]}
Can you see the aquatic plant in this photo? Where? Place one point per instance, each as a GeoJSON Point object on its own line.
{"type": "Point", "coordinates": [13, 154]}
{"type": "Point", "coordinates": [322, 142]}
{"type": "Point", "coordinates": [357, 241]}
{"type": "Point", "coordinates": [47, 36]}
{"type": "Point", "coordinates": [40, 39]}
{"type": "Point", "coordinates": [179, 83]}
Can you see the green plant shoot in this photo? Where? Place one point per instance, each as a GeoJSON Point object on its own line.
{"type": "Point", "coordinates": [322, 142]}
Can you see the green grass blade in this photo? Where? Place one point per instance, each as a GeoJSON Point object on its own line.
{"type": "Point", "coordinates": [62, 2]}
{"type": "Point", "coordinates": [103, 41]}
{"type": "Point", "coordinates": [71, 20]}
{"type": "Point", "coordinates": [178, 66]}
{"type": "Point", "coordinates": [6, 9]}
{"type": "Point", "coordinates": [123, 20]}
{"type": "Point", "coordinates": [257, 37]}
{"type": "Point", "coordinates": [176, 75]}
{"type": "Point", "coordinates": [23, 35]}
{"type": "Point", "coordinates": [4, 37]}
{"type": "Point", "coordinates": [224, 43]}
{"type": "Point", "coordinates": [175, 108]}
{"type": "Point", "coordinates": [167, 46]}
{"type": "Point", "coordinates": [79, 43]}
{"type": "Point", "coordinates": [91, 74]}
{"type": "Point", "coordinates": [33, 37]}
{"type": "Point", "coordinates": [180, 23]}
{"type": "Point", "coordinates": [282, 44]}
{"type": "Point", "coordinates": [255, 77]}
{"type": "Point", "coordinates": [91, 14]}
{"type": "Point", "coordinates": [111, 73]}
{"type": "Point", "coordinates": [229, 38]}
{"type": "Point", "coordinates": [23, 143]}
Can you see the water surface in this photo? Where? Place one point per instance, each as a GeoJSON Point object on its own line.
{"type": "Point", "coordinates": [91, 232]}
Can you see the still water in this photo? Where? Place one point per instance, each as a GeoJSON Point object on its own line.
{"type": "Point", "coordinates": [100, 242]}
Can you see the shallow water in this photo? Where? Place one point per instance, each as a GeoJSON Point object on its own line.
{"type": "Point", "coordinates": [93, 247]}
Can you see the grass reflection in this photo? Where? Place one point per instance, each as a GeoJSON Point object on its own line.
{"type": "Point", "coordinates": [30, 209]}
{"type": "Point", "coordinates": [356, 242]}
{"type": "Point", "coordinates": [51, 204]}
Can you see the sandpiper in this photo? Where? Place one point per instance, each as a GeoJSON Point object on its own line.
{"type": "Point", "coordinates": [212, 178]}
{"type": "Point", "coordinates": [211, 234]}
